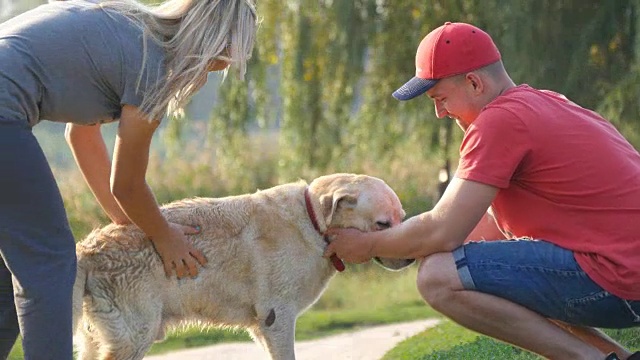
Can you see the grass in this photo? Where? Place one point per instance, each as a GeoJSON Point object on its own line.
{"type": "Point", "coordinates": [362, 296]}
{"type": "Point", "coordinates": [444, 342]}
{"type": "Point", "coordinates": [451, 341]}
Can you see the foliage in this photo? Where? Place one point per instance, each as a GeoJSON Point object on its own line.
{"type": "Point", "coordinates": [323, 71]}
{"type": "Point", "coordinates": [204, 167]}
{"type": "Point", "coordinates": [319, 84]}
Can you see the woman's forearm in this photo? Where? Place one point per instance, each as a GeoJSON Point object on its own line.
{"type": "Point", "coordinates": [142, 208]}
{"type": "Point", "coordinates": [128, 172]}
{"type": "Point", "coordinates": [90, 153]}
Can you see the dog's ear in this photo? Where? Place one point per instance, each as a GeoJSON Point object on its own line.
{"type": "Point", "coordinates": [339, 199]}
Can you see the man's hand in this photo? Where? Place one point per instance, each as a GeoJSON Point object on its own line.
{"type": "Point", "coordinates": [351, 245]}
{"type": "Point", "coordinates": [177, 252]}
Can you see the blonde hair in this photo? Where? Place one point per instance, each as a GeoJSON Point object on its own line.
{"type": "Point", "coordinates": [193, 33]}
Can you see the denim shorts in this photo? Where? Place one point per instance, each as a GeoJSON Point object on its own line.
{"type": "Point", "coordinates": [544, 278]}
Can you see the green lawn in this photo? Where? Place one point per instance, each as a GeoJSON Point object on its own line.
{"type": "Point", "coordinates": [361, 296]}
{"type": "Point", "coordinates": [449, 341]}
{"type": "Point", "coordinates": [364, 296]}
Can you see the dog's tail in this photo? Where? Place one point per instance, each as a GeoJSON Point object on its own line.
{"type": "Point", "coordinates": [78, 294]}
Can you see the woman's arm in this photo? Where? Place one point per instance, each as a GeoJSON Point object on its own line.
{"type": "Point", "coordinates": [130, 189]}
{"type": "Point", "coordinates": [90, 153]}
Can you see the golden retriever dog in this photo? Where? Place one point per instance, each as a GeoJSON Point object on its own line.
{"type": "Point", "coordinates": [265, 266]}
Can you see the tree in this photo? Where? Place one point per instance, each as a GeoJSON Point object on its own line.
{"type": "Point", "coordinates": [324, 71]}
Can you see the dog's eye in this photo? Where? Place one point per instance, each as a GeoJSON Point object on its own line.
{"type": "Point", "coordinates": [383, 224]}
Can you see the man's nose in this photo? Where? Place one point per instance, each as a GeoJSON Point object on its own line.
{"type": "Point", "coordinates": [440, 110]}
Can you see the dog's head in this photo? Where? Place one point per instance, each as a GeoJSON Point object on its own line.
{"type": "Point", "coordinates": [362, 202]}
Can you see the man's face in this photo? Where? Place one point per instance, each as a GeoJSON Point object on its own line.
{"type": "Point", "coordinates": [454, 97]}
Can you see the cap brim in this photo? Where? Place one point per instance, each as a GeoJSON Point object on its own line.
{"type": "Point", "coordinates": [413, 88]}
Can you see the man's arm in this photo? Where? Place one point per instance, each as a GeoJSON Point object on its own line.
{"type": "Point", "coordinates": [487, 229]}
{"type": "Point", "coordinates": [90, 152]}
{"type": "Point", "coordinates": [442, 229]}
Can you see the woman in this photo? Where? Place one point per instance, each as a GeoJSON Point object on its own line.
{"type": "Point", "coordinates": [86, 63]}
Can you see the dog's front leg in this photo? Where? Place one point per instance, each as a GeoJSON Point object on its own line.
{"type": "Point", "coordinates": [277, 332]}
{"type": "Point", "coordinates": [87, 346]}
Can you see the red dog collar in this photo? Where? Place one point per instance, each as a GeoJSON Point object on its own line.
{"type": "Point", "coordinates": [337, 263]}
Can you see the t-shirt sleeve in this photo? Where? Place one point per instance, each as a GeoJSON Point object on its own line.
{"type": "Point", "coordinates": [493, 148]}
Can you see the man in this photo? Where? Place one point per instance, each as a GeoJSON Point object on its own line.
{"type": "Point", "coordinates": [562, 184]}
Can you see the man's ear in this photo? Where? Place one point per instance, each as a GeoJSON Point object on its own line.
{"type": "Point", "coordinates": [340, 199]}
{"type": "Point", "coordinates": [475, 81]}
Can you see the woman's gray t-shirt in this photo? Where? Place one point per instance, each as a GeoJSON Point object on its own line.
{"type": "Point", "coordinates": [73, 61]}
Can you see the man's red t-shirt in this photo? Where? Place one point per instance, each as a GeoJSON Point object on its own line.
{"type": "Point", "coordinates": [566, 176]}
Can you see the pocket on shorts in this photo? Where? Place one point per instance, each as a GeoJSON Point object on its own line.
{"type": "Point", "coordinates": [603, 309]}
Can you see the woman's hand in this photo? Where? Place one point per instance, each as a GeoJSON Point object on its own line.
{"type": "Point", "coordinates": [177, 252]}
{"type": "Point", "coordinates": [351, 245]}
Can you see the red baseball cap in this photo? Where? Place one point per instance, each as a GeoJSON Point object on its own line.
{"type": "Point", "coordinates": [451, 49]}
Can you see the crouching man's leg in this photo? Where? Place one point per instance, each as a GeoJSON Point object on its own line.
{"type": "Point", "coordinates": [507, 290]}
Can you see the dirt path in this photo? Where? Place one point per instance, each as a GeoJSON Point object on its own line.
{"type": "Point", "coordinates": [367, 344]}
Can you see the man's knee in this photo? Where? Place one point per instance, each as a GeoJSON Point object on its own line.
{"type": "Point", "coordinates": [438, 279]}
